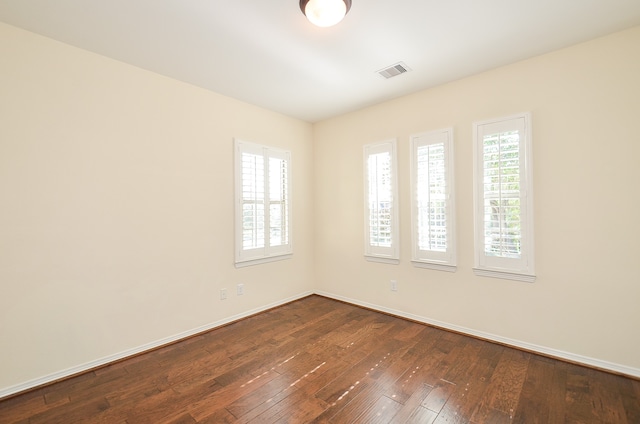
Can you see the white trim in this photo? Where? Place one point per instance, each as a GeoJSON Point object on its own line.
{"type": "Point", "coordinates": [435, 266]}
{"type": "Point", "coordinates": [7, 391]}
{"type": "Point", "coordinates": [504, 275]}
{"type": "Point", "coordinates": [254, 256]}
{"type": "Point", "coordinates": [572, 357]}
{"type": "Point", "coordinates": [585, 360]}
{"type": "Point", "coordinates": [250, 262]}
{"type": "Point", "coordinates": [382, 260]}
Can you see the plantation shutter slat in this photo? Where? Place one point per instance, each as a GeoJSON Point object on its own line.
{"type": "Point", "coordinates": [381, 202]}
{"type": "Point", "coordinates": [278, 202]}
{"type": "Point", "coordinates": [432, 200]}
{"type": "Point", "coordinates": [263, 217]}
{"type": "Point", "coordinates": [502, 197]}
{"type": "Point", "coordinates": [502, 222]}
{"type": "Point", "coordinates": [380, 199]}
{"type": "Point", "coordinates": [252, 201]}
{"type": "Point", "coordinates": [431, 193]}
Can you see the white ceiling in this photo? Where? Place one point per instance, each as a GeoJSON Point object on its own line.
{"type": "Point", "coordinates": [266, 53]}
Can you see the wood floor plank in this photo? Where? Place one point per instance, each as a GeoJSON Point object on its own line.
{"type": "Point", "coordinates": [295, 408]}
{"type": "Point", "coordinates": [607, 401]}
{"type": "Point", "coordinates": [494, 416]}
{"type": "Point", "coordinates": [245, 409]}
{"type": "Point", "coordinates": [268, 395]}
{"type": "Point", "coordinates": [453, 349]}
{"type": "Point", "coordinates": [293, 377]}
{"type": "Point", "coordinates": [412, 332]}
{"type": "Point", "coordinates": [70, 412]}
{"type": "Point", "coordinates": [365, 371]}
{"type": "Point", "coordinates": [439, 395]}
{"type": "Point", "coordinates": [449, 413]}
{"type": "Point", "coordinates": [413, 404]}
{"type": "Point", "coordinates": [463, 403]}
{"type": "Point", "coordinates": [421, 416]}
{"type": "Point", "coordinates": [557, 388]}
{"type": "Point", "coordinates": [381, 412]}
{"type": "Point", "coordinates": [578, 397]}
{"type": "Point", "coordinates": [464, 397]}
{"type": "Point", "coordinates": [425, 371]}
{"type": "Point", "coordinates": [362, 402]}
{"type": "Point", "coordinates": [220, 416]}
{"type": "Point", "coordinates": [533, 405]}
{"type": "Point", "coordinates": [21, 408]}
{"type": "Point", "coordinates": [630, 393]}
{"type": "Point", "coordinates": [485, 364]}
{"type": "Point", "coordinates": [184, 419]}
{"type": "Point", "coordinates": [504, 387]}
{"type": "Point", "coordinates": [458, 369]}
{"type": "Point", "coordinates": [322, 361]}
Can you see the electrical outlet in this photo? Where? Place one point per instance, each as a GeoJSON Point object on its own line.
{"type": "Point", "coordinates": [240, 289]}
{"type": "Point", "coordinates": [223, 294]}
{"type": "Point", "coordinates": [394, 285]}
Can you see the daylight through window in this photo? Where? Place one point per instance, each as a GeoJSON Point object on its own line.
{"type": "Point", "coordinates": [381, 203]}
{"type": "Point", "coordinates": [433, 210]}
{"type": "Point", "coordinates": [504, 198]}
{"type": "Point", "coordinates": [263, 216]}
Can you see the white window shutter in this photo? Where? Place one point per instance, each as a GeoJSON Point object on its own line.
{"type": "Point", "coordinates": [433, 200]}
{"type": "Point", "coordinates": [263, 203]}
{"type": "Point", "coordinates": [503, 198]}
{"type": "Point", "coordinates": [381, 202]}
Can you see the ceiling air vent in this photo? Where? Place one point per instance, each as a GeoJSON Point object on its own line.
{"type": "Point", "coordinates": [393, 70]}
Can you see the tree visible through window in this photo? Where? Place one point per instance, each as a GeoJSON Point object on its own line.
{"type": "Point", "coordinates": [504, 198]}
{"type": "Point", "coordinates": [501, 193]}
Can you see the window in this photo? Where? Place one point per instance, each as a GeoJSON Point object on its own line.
{"type": "Point", "coordinates": [263, 203]}
{"type": "Point", "coordinates": [432, 201]}
{"type": "Point", "coordinates": [381, 202]}
{"type": "Point", "coordinates": [503, 198]}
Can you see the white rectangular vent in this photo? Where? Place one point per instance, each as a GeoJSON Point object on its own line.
{"type": "Point", "coordinates": [393, 70]}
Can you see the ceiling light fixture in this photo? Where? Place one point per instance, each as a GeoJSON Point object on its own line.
{"type": "Point", "coordinates": [325, 13]}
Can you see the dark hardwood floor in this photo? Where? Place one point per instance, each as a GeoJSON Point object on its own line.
{"type": "Point", "coordinates": [318, 360]}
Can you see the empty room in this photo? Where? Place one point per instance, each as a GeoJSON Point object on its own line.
{"type": "Point", "coordinates": [257, 211]}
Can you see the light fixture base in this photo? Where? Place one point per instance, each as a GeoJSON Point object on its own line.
{"type": "Point", "coordinates": [325, 13]}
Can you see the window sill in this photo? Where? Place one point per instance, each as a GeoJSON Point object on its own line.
{"type": "Point", "coordinates": [382, 260]}
{"type": "Point", "coordinates": [435, 266]}
{"type": "Point", "coordinates": [259, 261]}
{"type": "Point", "coordinates": [504, 275]}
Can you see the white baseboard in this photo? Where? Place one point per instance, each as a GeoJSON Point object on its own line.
{"type": "Point", "coordinates": [571, 357]}
{"type": "Point", "coordinates": [592, 362]}
{"type": "Point", "coordinates": [8, 391]}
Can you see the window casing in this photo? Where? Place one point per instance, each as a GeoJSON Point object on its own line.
{"type": "Point", "coordinates": [503, 198]}
{"type": "Point", "coordinates": [263, 203]}
{"type": "Point", "coordinates": [381, 202]}
{"type": "Point", "coordinates": [433, 201]}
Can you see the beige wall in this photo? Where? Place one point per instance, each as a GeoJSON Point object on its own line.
{"type": "Point", "coordinates": [585, 105]}
{"type": "Point", "coordinates": [116, 215]}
